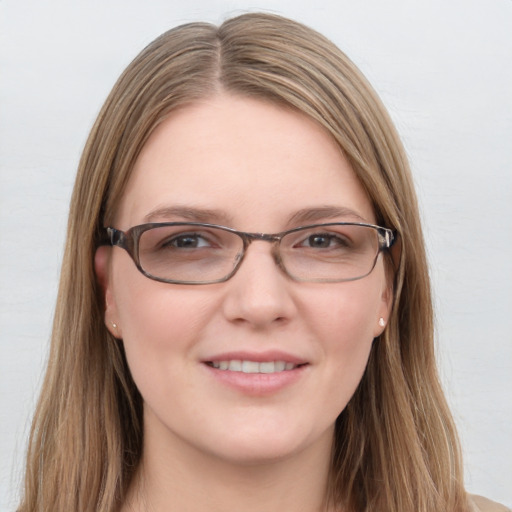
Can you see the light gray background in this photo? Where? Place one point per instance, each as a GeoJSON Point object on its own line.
{"type": "Point", "coordinates": [443, 68]}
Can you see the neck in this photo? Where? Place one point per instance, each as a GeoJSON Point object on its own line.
{"type": "Point", "coordinates": [177, 477]}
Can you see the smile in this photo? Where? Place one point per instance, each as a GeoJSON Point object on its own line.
{"type": "Point", "coordinates": [236, 365]}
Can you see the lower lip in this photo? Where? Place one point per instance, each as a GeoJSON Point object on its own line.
{"type": "Point", "coordinates": [257, 384]}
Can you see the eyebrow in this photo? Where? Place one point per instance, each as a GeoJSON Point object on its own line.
{"type": "Point", "coordinates": [187, 213]}
{"type": "Point", "coordinates": [211, 216]}
{"type": "Point", "coordinates": [312, 215]}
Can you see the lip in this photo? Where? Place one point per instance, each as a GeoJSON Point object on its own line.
{"type": "Point", "coordinates": [256, 384]}
{"type": "Point", "coordinates": [259, 357]}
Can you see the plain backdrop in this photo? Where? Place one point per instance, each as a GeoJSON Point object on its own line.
{"type": "Point", "coordinates": [443, 69]}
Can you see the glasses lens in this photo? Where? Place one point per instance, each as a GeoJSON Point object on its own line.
{"type": "Point", "coordinates": [330, 252]}
{"type": "Point", "coordinates": [191, 254]}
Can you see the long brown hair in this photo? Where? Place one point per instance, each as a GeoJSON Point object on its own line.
{"type": "Point", "coordinates": [396, 447]}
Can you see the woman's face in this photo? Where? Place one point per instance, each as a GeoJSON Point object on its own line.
{"type": "Point", "coordinates": [254, 167]}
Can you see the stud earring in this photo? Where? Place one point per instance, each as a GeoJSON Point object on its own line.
{"type": "Point", "coordinates": [114, 325]}
{"type": "Point", "coordinates": [382, 323]}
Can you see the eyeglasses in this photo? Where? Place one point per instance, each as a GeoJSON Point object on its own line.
{"type": "Point", "coordinates": [198, 253]}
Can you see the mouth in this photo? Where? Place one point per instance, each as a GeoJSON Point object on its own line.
{"type": "Point", "coordinates": [247, 366]}
{"type": "Point", "coordinates": [257, 373]}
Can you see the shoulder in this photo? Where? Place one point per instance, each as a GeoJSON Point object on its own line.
{"type": "Point", "coordinates": [480, 504]}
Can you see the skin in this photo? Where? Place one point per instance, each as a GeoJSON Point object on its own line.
{"type": "Point", "coordinates": [208, 446]}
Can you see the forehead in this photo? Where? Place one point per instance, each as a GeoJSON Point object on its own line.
{"type": "Point", "coordinates": [254, 163]}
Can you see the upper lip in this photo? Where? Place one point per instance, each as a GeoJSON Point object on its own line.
{"type": "Point", "coordinates": [259, 357]}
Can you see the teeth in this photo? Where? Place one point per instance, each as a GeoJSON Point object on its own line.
{"type": "Point", "coordinates": [279, 366]}
{"type": "Point", "coordinates": [268, 367]}
{"type": "Point", "coordinates": [236, 365]}
{"type": "Point", "coordinates": [250, 367]}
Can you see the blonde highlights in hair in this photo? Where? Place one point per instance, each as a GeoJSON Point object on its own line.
{"type": "Point", "coordinates": [395, 446]}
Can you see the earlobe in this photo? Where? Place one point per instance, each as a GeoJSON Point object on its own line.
{"type": "Point", "coordinates": [102, 270]}
{"type": "Point", "coordinates": [384, 310]}
{"type": "Point", "coordinates": [380, 326]}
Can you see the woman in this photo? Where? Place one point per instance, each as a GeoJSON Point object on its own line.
{"type": "Point", "coordinates": [244, 318]}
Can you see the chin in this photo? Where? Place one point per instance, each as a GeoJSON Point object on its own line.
{"type": "Point", "coordinates": [243, 455]}
{"type": "Point", "coordinates": [264, 447]}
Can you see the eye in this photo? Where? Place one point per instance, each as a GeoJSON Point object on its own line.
{"type": "Point", "coordinates": [186, 241]}
{"type": "Point", "coordinates": [324, 241]}
{"type": "Point", "coordinates": [319, 240]}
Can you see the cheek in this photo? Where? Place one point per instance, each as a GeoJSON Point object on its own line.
{"type": "Point", "coordinates": [349, 340]}
{"type": "Point", "coordinates": [162, 319]}
{"type": "Point", "coordinates": [348, 313]}
{"type": "Point", "coordinates": [160, 324]}
{"type": "Point", "coordinates": [344, 320]}
{"type": "Point", "coordinates": [161, 333]}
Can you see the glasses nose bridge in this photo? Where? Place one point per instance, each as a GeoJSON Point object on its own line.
{"type": "Point", "coordinates": [273, 239]}
{"type": "Point", "coordinates": [264, 237]}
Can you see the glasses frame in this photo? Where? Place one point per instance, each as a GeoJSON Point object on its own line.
{"type": "Point", "coordinates": [129, 241]}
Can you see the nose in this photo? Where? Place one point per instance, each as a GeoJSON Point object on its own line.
{"type": "Point", "coordinates": [258, 294]}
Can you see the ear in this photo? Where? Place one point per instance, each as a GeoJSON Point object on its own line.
{"type": "Point", "coordinates": [102, 269]}
{"type": "Point", "coordinates": [384, 309]}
